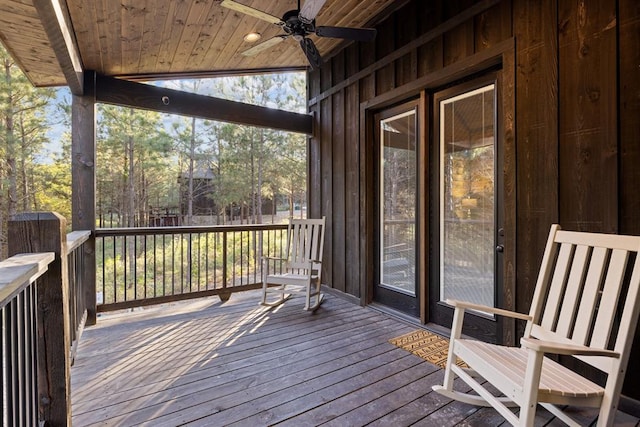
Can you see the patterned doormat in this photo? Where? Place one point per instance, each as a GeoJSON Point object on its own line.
{"type": "Point", "coordinates": [431, 347]}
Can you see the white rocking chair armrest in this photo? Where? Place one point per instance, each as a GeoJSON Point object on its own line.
{"type": "Point", "coordinates": [568, 349]}
{"type": "Point", "coordinates": [484, 308]}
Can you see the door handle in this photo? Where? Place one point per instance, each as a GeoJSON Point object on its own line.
{"type": "Point", "coordinates": [500, 248]}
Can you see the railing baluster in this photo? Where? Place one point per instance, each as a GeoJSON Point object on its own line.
{"type": "Point", "coordinates": [8, 364]}
{"type": "Point", "coordinates": [173, 265]}
{"type": "Point", "coordinates": [216, 236]}
{"type": "Point", "coordinates": [224, 260]}
{"type": "Point", "coordinates": [206, 261]}
{"type": "Point", "coordinates": [164, 265]}
{"type": "Point", "coordinates": [241, 258]}
{"type": "Point", "coordinates": [134, 266]}
{"type": "Point", "coordinates": [125, 260]}
{"type": "Point", "coordinates": [19, 355]}
{"type": "Point", "coordinates": [233, 262]}
{"type": "Point", "coordinates": [32, 382]}
{"type": "Point", "coordinates": [155, 267]}
{"type": "Point", "coordinates": [144, 282]}
{"type": "Point", "coordinates": [3, 368]}
{"type": "Point", "coordinates": [181, 263]}
{"type": "Point", "coordinates": [189, 261]}
{"type": "Point", "coordinates": [198, 258]}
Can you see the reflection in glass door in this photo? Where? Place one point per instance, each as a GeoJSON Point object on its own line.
{"type": "Point", "coordinates": [396, 284]}
{"type": "Point", "coordinates": [467, 197]}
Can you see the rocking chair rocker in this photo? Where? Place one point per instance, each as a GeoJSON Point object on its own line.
{"type": "Point", "coordinates": [301, 268]}
{"type": "Point", "coordinates": [585, 305]}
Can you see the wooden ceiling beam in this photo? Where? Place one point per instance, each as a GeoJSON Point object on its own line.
{"type": "Point", "coordinates": [57, 24]}
{"type": "Point", "coordinates": [110, 90]}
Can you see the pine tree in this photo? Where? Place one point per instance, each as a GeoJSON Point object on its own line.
{"type": "Point", "coordinates": [23, 129]}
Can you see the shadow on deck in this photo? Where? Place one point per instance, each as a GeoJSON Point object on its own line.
{"type": "Point", "coordinates": [206, 363]}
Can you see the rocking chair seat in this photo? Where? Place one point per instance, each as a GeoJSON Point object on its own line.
{"type": "Point", "coordinates": [557, 385]}
{"type": "Point", "coordinates": [290, 279]}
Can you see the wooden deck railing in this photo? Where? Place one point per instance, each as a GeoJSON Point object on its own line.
{"type": "Point", "coordinates": [142, 266]}
{"type": "Point", "coordinates": [44, 298]}
{"type": "Point", "coordinates": [77, 304]}
{"type": "Point", "coordinates": [19, 342]}
{"type": "Point", "coordinates": [43, 313]}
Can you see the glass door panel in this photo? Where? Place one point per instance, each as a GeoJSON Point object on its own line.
{"type": "Point", "coordinates": [398, 202]}
{"type": "Point", "coordinates": [396, 275]}
{"type": "Point", "coordinates": [467, 197]}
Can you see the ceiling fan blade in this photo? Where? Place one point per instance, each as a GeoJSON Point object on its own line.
{"type": "Point", "coordinates": [264, 45]}
{"type": "Point", "coordinates": [310, 10]}
{"type": "Point", "coordinates": [357, 34]}
{"type": "Point", "coordinates": [239, 7]}
{"type": "Point", "coordinates": [311, 52]}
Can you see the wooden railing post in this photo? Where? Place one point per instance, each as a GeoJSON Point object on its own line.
{"type": "Point", "coordinates": [46, 232]}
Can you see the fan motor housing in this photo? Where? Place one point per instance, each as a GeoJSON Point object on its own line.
{"type": "Point", "coordinates": [295, 26]}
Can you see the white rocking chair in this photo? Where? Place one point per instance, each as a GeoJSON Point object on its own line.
{"type": "Point", "coordinates": [586, 305]}
{"type": "Point", "coordinates": [301, 269]}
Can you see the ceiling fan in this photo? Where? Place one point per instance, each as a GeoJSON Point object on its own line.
{"type": "Point", "coordinates": [299, 24]}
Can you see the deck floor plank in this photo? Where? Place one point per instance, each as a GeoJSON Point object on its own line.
{"type": "Point", "coordinates": [372, 402]}
{"type": "Point", "coordinates": [270, 355]}
{"type": "Point", "coordinates": [207, 363]}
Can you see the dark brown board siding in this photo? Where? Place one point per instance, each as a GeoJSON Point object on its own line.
{"type": "Point", "coordinates": [571, 146]}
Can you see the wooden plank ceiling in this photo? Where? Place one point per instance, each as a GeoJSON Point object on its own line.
{"type": "Point", "coordinates": [147, 38]}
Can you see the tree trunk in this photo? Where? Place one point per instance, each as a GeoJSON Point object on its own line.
{"type": "Point", "coordinates": [192, 154]}
{"type": "Point", "coordinates": [274, 208]}
{"type": "Point", "coordinates": [12, 193]}
{"type": "Point", "coordinates": [253, 181]}
{"type": "Point", "coordinates": [24, 176]}
{"type": "Point", "coordinates": [143, 217]}
{"type": "Point", "coordinates": [291, 200]}
{"type": "Point", "coordinates": [131, 190]}
{"type": "Point", "coordinates": [260, 171]}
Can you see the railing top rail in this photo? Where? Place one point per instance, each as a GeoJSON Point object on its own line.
{"type": "Point", "coordinates": [19, 271]}
{"type": "Point", "coordinates": [77, 238]}
{"type": "Point", "coordinates": [137, 231]}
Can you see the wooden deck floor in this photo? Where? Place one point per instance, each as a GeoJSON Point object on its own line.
{"type": "Point", "coordinates": [204, 363]}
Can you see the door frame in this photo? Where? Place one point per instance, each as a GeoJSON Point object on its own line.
{"type": "Point", "coordinates": [500, 57]}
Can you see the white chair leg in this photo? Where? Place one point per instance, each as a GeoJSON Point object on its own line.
{"type": "Point", "coordinates": [264, 293]}
{"type": "Point", "coordinates": [307, 297]}
{"type": "Point", "coordinates": [265, 267]}
{"type": "Point", "coordinates": [530, 388]}
{"type": "Point", "coordinates": [318, 297]}
{"type": "Point", "coordinates": [456, 332]}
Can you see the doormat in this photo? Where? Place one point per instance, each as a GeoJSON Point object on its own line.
{"type": "Point", "coordinates": [431, 347]}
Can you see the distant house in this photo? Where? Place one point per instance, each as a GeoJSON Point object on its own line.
{"type": "Point", "coordinates": [203, 191]}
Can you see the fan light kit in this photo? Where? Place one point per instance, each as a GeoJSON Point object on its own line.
{"type": "Point", "coordinates": [298, 24]}
{"type": "Point", "coordinates": [252, 37]}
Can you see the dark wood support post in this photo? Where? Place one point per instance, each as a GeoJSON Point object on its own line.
{"type": "Point", "coordinates": [83, 184]}
{"type": "Point", "coordinates": [46, 232]}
